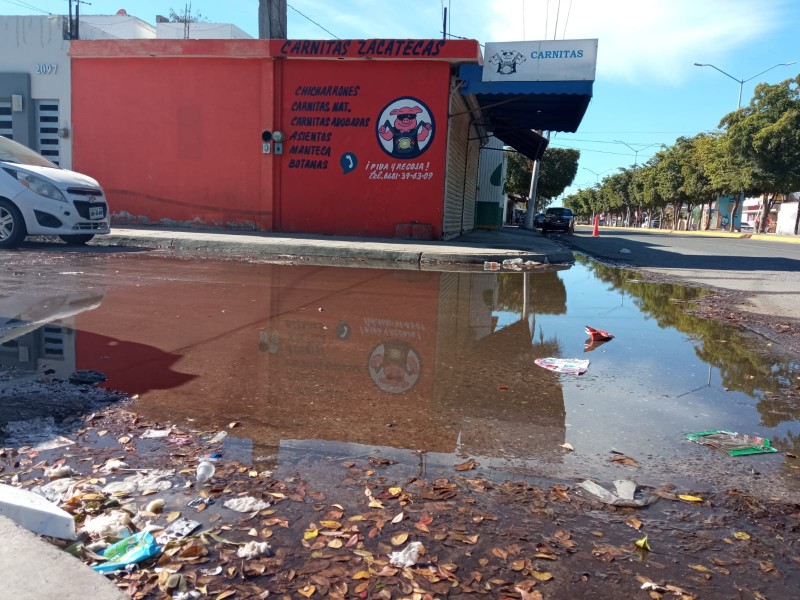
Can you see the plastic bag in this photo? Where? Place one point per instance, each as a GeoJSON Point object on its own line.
{"type": "Point", "coordinates": [131, 550]}
{"type": "Point", "coordinates": [733, 443]}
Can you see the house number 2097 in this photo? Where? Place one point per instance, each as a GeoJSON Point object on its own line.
{"type": "Point", "coordinates": [44, 69]}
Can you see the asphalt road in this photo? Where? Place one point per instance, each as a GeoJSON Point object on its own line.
{"type": "Point", "coordinates": [766, 270]}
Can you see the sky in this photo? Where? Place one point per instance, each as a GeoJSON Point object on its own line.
{"type": "Point", "coordinates": [647, 91]}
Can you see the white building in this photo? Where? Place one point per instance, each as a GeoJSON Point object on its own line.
{"type": "Point", "coordinates": [35, 79]}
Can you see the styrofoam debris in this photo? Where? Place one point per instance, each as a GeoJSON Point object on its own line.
{"type": "Point", "coordinates": [34, 513]}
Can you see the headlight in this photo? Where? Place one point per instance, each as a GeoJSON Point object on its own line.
{"type": "Point", "coordinates": [38, 185]}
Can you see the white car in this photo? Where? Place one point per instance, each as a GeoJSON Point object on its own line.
{"type": "Point", "coordinates": [38, 197]}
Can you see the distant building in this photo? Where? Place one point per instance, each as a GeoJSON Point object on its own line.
{"type": "Point", "coordinates": [35, 71]}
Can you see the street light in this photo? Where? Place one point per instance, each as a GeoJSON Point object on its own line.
{"type": "Point", "coordinates": [636, 151]}
{"type": "Point", "coordinates": [741, 82]}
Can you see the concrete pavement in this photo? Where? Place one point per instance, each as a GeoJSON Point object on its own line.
{"type": "Point", "coordinates": [473, 248]}
{"type": "Point", "coordinates": [33, 569]}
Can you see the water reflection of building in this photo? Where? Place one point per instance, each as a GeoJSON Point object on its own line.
{"type": "Point", "coordinates": [399, 359]}
{"type": "Point", "coordinates": [37, 335]}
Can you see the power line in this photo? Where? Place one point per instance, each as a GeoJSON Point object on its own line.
{"type": "Point", "coordinates": [26, 5]}
{"type": "Point", "coordinates": [313, 21]}
{"type": "Point", "coordinates": [569, 11]}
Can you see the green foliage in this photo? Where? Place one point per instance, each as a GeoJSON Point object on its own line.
{"type": "Point", "coordinates": [518, 175]}
{"type": "Point", "coordinates": [557, 170]}
{"type": "Point", "coordinates": [756, 152]}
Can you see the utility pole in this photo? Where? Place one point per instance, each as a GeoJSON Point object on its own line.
{"type": "Point", "coordinates": [75, 26]}
{"type": "Point", "coordinates": [272, 19]}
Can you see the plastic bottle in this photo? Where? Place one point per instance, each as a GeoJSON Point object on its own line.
{"type": "Point", "coordinates": [512, 261]}
{"type": "Point", "coordinates": [491, 266]}
{"type": "Point", "coordinates": [205, 471]}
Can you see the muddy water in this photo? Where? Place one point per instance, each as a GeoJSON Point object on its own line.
{"type": "Point", "coordinates": [428, 369]}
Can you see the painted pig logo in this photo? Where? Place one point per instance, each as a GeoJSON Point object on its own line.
{"type": "Point", "coordinates": [394, 366]}
{"type": "Point", "coordinates": [507, 61]}
{"type": "Point", "coordinates": [405, 128]}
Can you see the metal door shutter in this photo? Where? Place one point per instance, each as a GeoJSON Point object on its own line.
{"type": "Point", "coordinates": [47, 130]}
{"type": "Point", "coordinates": [5, 119]}
{"type": "Point", "coordinates": [457, 141]}
{"type": "Point", "coordinates": [461, 183]}
{"type": "Point", "coordinates": [470, 185]}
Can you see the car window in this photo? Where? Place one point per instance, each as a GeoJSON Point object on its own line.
{"type": "Point", "coordinates": [11, 151]}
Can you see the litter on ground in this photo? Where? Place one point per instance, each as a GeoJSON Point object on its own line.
{"type": "Point", "coordinates": [733, 443]}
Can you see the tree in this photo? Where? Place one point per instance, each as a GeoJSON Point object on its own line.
{"type": "Point", "coordinates": [557, 170]}
{"type": "Point", "coordinates": [696, 182]}
{"type": "Point", "coordinates": [765, 135]}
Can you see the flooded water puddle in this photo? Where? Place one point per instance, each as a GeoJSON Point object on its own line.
{"type": "Point", "coordinates": [424, 371]}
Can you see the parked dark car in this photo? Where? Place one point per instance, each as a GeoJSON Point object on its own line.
{"type": "Point", "coordinates": [559, 219]}
{"type": "Point", "coordinates": [538, 220]}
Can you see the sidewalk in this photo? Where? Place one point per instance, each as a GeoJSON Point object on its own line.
{"type": "Point", "coordinates": [473, 248]}
{"type": "Point", "coordinates": [34, 569]}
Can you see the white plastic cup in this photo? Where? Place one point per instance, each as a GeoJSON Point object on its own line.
{"type": "Point", "coordinates": [205, 471]}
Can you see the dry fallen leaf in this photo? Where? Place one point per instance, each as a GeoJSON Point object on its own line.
{"type": "Point", "coordinates": [689, 498]}
{"type": "Point", "coordinates": [308, 590]}
{"type": "Point", "coordinates": [701, 568]}
{"type": "Point", "coordinates": [541, 575]}
{"type": "Point", "coordinates": [398, 518]}
{"type": "Point", "coordinates": [568, 446]}
{"type": "Point", "coordinates": [466, 466]}
{"type": "Point", "coordinates": [400, 538]}
{"type": "Point", "coordinates": [634, 522]}
{"type": "Point", "coordinates": [741, 535]}
{"type": "Point", "coordinates": [624, 460]}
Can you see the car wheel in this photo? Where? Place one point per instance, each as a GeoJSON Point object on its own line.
{"type": "Point", "coordinates": [12, 225]}
{"type": "Point", "coordinates": [571, 229]}
{"type": "Point", "coordinates": [77, 239]}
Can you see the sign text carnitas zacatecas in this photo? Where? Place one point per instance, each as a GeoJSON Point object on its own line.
{"type": "Point", "coordinates": [377, 48]}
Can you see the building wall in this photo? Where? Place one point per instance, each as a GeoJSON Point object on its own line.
{"type": "Point", "coordinates": [322, 193]}
{"type": "Point", "coordinates": [176, 137]}
{"type": "Point", "coordinates": [177, 140]}
{"type": "Point", "coordinates": [35, 47]}
{"type": "Point", "coordinates": [201, 31]}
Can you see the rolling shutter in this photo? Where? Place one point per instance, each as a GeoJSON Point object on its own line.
{"type": "Point", "coordinates": [462, 171]}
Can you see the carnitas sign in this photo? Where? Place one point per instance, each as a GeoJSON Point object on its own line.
{"type": "Point", "coordinates": [365, 144]}
{"type": "Point", "coordinates": [555, 60]}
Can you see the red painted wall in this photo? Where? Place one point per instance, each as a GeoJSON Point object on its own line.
{"type": "Point", "coordinates": [175, 138]}
{"type": "Point", "coordinates": [172, 130]}
{"type": "Point", "coordinates": [338, 175]}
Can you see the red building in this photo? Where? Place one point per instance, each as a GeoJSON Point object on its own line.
{"type": "Point", "coordinates": [350, 137]}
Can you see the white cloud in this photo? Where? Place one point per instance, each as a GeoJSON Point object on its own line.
{"type": "Point", "coordinates": [644, 40]}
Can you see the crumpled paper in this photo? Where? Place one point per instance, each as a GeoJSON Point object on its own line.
{"type": "Point", "coordinates": [246, 504]}
{"type": "Point", "coordinates": [407, 557]}
{"type": "Point", "coordinates": [149, 480]}
{"type": "Point", "coordinates": [253, 550]}
{"type": "Point", "coordinates": [570, 366]}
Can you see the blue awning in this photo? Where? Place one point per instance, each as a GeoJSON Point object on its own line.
{"type": "Point", "coordinates": [540, 105]}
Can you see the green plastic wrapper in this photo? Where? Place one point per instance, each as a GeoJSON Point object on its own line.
{"type": "Point", "coordinates": [132, 549]}
{"type": "Point", "coordinates": [733, 443]}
